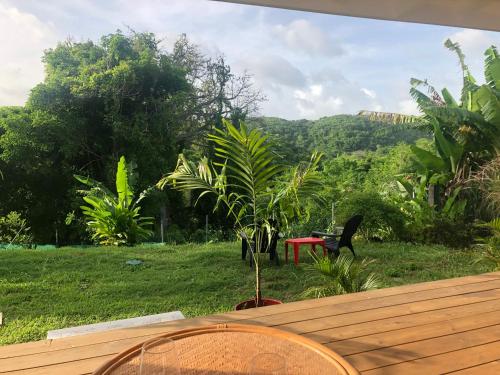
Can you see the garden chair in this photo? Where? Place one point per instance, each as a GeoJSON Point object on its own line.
{"type": "Point", "coordinates": [273, 254]}
{"type": "Point", "coordinates": [331, 243]}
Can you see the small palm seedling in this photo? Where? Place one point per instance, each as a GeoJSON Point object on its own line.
{"type": "Point", "coordinates": [341, 275]}
{"type": "Point", "coordinates": [251, 185]}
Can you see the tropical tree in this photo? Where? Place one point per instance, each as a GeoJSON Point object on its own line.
{"type": "Point", "coordinates": [245, 179]}
{"type": "Point", "coordinates": [466, 132]}
{"type": "Point", "coordinates": [114, 219]}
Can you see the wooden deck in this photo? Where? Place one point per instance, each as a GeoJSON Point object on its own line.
{"type": "Point", "coordinates": [446, 326]}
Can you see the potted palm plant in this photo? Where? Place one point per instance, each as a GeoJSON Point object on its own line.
{"type": "Point", "coordinates": [249, 182]}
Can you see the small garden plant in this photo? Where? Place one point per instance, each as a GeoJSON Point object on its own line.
{"type": "Point", "coordinates": [115, 219]}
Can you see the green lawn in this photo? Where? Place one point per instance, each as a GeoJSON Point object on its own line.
{"type": "Point", "coordinates": [49, 289]}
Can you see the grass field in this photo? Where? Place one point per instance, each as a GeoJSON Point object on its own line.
{"type": "Point", "coordinates": [49, 289]}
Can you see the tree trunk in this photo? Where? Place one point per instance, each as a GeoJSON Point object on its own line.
{"type": "Point", "coordinates": [431, 195]}
{"type": "Point", "coordinates": [258, 294]}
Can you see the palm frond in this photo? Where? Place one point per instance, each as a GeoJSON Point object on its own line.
{"type": "Point", "coordinates": [342, 275]}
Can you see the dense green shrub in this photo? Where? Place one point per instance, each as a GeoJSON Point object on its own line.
{"type": "Point", "coordinates": [319, 220]}
{"type": "Point", "coordinates": [381, 219]}
{"type": "Point", "coordinates": [490, 246]}
{"type": "Point", "coordinates": [445, 231]}
{"type": "Point", "coordinates": [15, 230]}
{"type": "Point", "coordinates": [175, 235]}
{"type": "Point", "coordinates": [214, 235]}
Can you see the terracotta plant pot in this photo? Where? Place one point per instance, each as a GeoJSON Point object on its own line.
{"type": "Point", "coordinates": [250, 304]}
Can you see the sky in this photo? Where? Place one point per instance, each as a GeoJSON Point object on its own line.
{"type": "Point", "coordinates": [307, 65]}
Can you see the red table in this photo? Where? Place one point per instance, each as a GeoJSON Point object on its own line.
{"type": "Point", "coordinates": [296, 242]}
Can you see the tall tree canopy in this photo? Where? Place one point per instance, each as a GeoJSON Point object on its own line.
{"type": "Point", "coordinates": [124, 95]}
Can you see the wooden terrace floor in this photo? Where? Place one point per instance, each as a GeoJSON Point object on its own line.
{"type": "Point", "coordinates": [440, 327]}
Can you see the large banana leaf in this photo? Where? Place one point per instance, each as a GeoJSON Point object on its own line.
{"type": "Point", "coordinates": [492, 68]}
{"type": "Point", "coordinates": [125, 193]}
{"type": "Point", "coordinates": [448, 148]}
{"type": "Point", "coordinates": [428, 161]}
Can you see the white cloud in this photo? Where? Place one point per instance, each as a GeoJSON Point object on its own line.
{"type": "Point", "coordinates": [313, 103]}
{"type": "Point", "coordinates": [473, 41]}
{"type": "Point", "coordinates": [23, 37]}
{"type": "Point", "coordinates": [370, 93]}
{"type": "Point", "coordinates": [308, 65]}
{"type": "Point", "coordinates": [408, 107]}
{"type": "Point", "coordinates": [271, 70]}
{"type": "Point", "coordinates": [301, 35]}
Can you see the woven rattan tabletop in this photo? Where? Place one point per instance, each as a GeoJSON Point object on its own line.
{"type": "Point", "coordinates": [228, 349]}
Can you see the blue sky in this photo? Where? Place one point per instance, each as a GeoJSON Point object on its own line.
{"type": "Point", "coordinates": [308, 65]}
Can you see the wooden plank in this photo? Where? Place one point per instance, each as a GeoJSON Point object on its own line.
{"type": "Point", "coordinates": [371, 304]}
{"type": "Point", "coordinates": [331, 336]}
{"type": "Point", "coordinates": [88, 351]}
{"type": "Point", "coordinates": [409, 291]}
{"type": "Point", "coordinates": [80, 367]}
{"type": "Point", "coordinates": [69, 356]}
{"type": "Point", "coordinates": [370, 295]}
{"type": "Point", "coordinates": [319, 326]}
{"type": "Point", "coordinates": [145, 332]}
{"type": "Point", "coordinates": [443, 363]}
{"type": "Point", "coordinates": [104, 337]}
{"type": "Point", "coordinates": [490, 368]}
{"type": "Point", "coordinates": [472, 320]}
{"type": "Point", "coordinates": [424, 348]}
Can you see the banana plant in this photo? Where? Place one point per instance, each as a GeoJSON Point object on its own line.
{"type": "Point", "coordinates": [466, 132]}
{"type": "Point", "coordinates": [114, 219]}
{"type": "Point", "coordinates": [248, 182]}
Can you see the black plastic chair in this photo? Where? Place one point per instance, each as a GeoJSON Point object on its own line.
{"type": "Point", "coordinates": [333, 246]}
{"type": "Point", "coordinates": [273, 254]}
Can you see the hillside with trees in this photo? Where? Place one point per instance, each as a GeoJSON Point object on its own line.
{"type": "Point", "coordinates": [334, 135]}
{"type": "Point", "coordinates": [126, 98]}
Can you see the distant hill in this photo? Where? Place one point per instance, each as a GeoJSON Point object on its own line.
{"type": "Point", "coordinates": [334, 135]}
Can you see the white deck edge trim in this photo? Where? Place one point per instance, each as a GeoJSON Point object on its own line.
{"type": "Point", "coordinates": [114, 324]}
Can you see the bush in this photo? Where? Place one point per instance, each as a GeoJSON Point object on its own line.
{"type": "Point", "coordinates": [341, 276]}
{"type": "Point", "coordinates": [15, 230]}
{"type": "Point", "coordinates": [444, 231]}
{"type": "Point", "coordinates": [198, 236]}
{"type": "Point", "coordinates": [381, 219]}
{"type": "Point", "coordinates": [174, 234]}
{"type": "Point", "coordinates": [214, 235]}
{"type": "Point", "coordinates": [490, 246]}
{"type": "Point", "coordinates": [425, 225]}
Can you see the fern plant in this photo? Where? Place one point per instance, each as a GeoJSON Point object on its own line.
{"type": "Point", "coordinates": [341, 275]}
{"type": "Point", "coordinates": [247, 181]}
{"type": "Point", "coordinates": [114, 219]}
